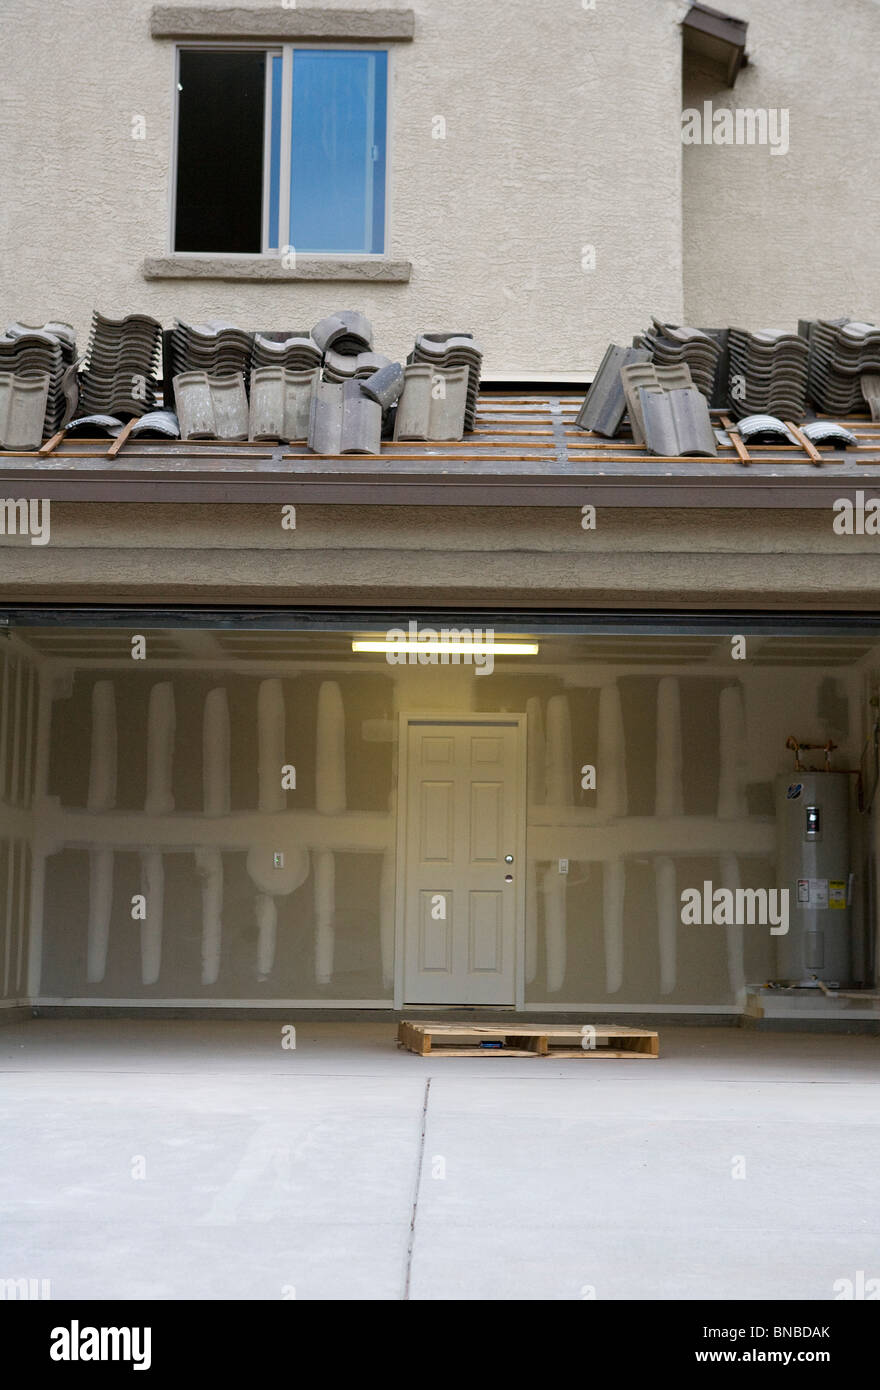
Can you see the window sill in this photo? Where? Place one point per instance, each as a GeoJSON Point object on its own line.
{"type": "Point", "coordinates": [187, 267]}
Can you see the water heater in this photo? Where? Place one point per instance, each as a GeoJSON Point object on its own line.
{"type": "Point", "coordinates": [813, 863]}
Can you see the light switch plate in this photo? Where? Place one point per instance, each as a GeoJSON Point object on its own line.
{"type": "Point", "coordinates": [278, 859]}
{"type": "Point", "coordinates": [563, 866]}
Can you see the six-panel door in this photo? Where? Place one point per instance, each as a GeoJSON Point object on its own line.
{"type": "Point", "coordinates": [460, 891]}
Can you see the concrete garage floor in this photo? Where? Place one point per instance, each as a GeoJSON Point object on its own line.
{"type": "Point", "coordinates": [348, 1170]}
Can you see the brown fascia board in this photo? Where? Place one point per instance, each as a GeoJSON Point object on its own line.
{"type": "Point", "coordinates": [235, 22]}
{"type": "Point", "coordinates": [719, 40]}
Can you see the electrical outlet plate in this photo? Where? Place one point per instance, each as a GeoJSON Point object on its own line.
{"type": "Point", "coordinates": [278, 859]}
{"type": "Point", "coordinates": [563, 866]}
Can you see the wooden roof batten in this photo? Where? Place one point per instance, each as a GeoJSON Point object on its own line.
{"type": "Point", "coordinates": [525, 448]}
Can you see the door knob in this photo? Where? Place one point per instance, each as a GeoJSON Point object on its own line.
{"type": "Point", "coordinates": [508, 858]}
{"type": "Point", "coordinates": [508, 878]}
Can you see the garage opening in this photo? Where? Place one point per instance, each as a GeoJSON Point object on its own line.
{"type": "Point", "coordinates": [645, 814]}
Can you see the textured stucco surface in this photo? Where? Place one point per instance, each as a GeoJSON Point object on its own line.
{"type": "Point", "coordinates": [771, 238]}
{"type": "Point", "coordinates": [561, 133]}
{"type": "Point", "coordinates": [420, 555]}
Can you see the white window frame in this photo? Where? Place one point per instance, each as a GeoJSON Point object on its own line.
{"type": "Point", "coordinates": [285, 51]}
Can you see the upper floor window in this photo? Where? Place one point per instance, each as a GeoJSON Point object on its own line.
{"type": "Point", "coordinates": [281, 147]}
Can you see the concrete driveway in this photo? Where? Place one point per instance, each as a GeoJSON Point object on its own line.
{"type": "Point", "coordinates": [192, 1160]}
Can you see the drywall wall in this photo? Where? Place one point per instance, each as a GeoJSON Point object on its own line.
{"type": "Point", "coordinates": [165, 807]}
{"type": "Point", "coordinates": [19, 711]}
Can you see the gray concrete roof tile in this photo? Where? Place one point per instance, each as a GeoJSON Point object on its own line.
{"type": "Point", "coordinates": [95, 427]}
{"type": "Point", "coordinates": [347, 330]}
{"type": "Point", "coordinates": [433, 404]}
{"type": "Point", "coordinates": [869, 384]}
{"type": "Point", "coordinates": [831, 433]}
{"type": "Point", "coordinates": [343, 420]}
{"type": "Point", "coordinates": [157, 424]}
{"type": "Point", "coordinates": [341, 366]}
{"type": "Point", "coordinates": [765, 429]}
{"type": "Point", "coordinates": [385, 385]}
{"type": "Point", "coordinates": [677, 423]}
{"type": "Point", "coordinates": [604, 405]}
{"type": "Point", "coordinates": [280, 403]}
{"type": "Point", "coordinates": [22, 409]}
{"type": "Point", "coordinates": [211, 407]}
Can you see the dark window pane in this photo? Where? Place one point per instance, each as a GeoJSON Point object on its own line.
{"type": "Point", "coordinates": [220, 151]}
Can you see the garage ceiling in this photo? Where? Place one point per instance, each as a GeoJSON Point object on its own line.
{"type": "Point", "coordinates": [188, 647]}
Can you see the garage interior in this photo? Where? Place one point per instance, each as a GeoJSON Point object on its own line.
{"type": "Point", "coordinates": [205, 1101]}
{"type": "Point", "coordinates": [219, 815]}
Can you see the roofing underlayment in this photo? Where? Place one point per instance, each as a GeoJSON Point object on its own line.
{"type": "Point", "coordinates": [526, 449]}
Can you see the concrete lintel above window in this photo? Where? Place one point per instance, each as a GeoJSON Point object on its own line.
{"type": "Point", "coordinates": [271, 268]}
{"type": "Point", "coordinates": [277, 23]}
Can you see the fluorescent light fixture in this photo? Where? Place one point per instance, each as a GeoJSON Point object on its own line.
{"type": "Point", "coordinates": [468, 648]}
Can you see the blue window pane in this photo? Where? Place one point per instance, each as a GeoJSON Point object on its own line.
{"type": "Point", "coordinates": [337, 171]}
{"type": "Point", "coordinates": [275, 153]}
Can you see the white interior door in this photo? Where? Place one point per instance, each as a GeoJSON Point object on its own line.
{"type": "Point", "coordinates": [461, 870]}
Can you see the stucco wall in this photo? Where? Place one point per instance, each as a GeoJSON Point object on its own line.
{"type": "Point", "coordinates": [561, 133]}
{"type": "Point", "coordinates": [421, 555]}
{"type": "Point", "coordinates": [771, 238]}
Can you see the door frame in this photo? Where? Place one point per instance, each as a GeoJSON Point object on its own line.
{"type": "Point", "coordinates": [520, 722]}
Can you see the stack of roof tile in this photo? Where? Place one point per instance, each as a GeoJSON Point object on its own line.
{"type": "Point", "coordinates": [29, 353]}
{"type": "Point", "coordinates": [453, 350]}
{"type": "Point", "coordinates": [671, 345]}
{"type": "Point", "coordinates": [768, 374]}
{"type": "Point", "coordinates": [841, 351]}
{"type": "Point", "coordinates": [215, 347]}
{"type": "Point", "coordinates": [296, 351]}
{"type": "Point", "coordinates": [122, 366]}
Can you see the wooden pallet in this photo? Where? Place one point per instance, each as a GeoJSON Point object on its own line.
{"type": "Point", "coordinates": [557, 1040]}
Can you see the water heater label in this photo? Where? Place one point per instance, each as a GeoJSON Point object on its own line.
{"type": "Point", "coordinates": [837, 893]}
{"type": "Point", "coordinates": [813, 892]}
